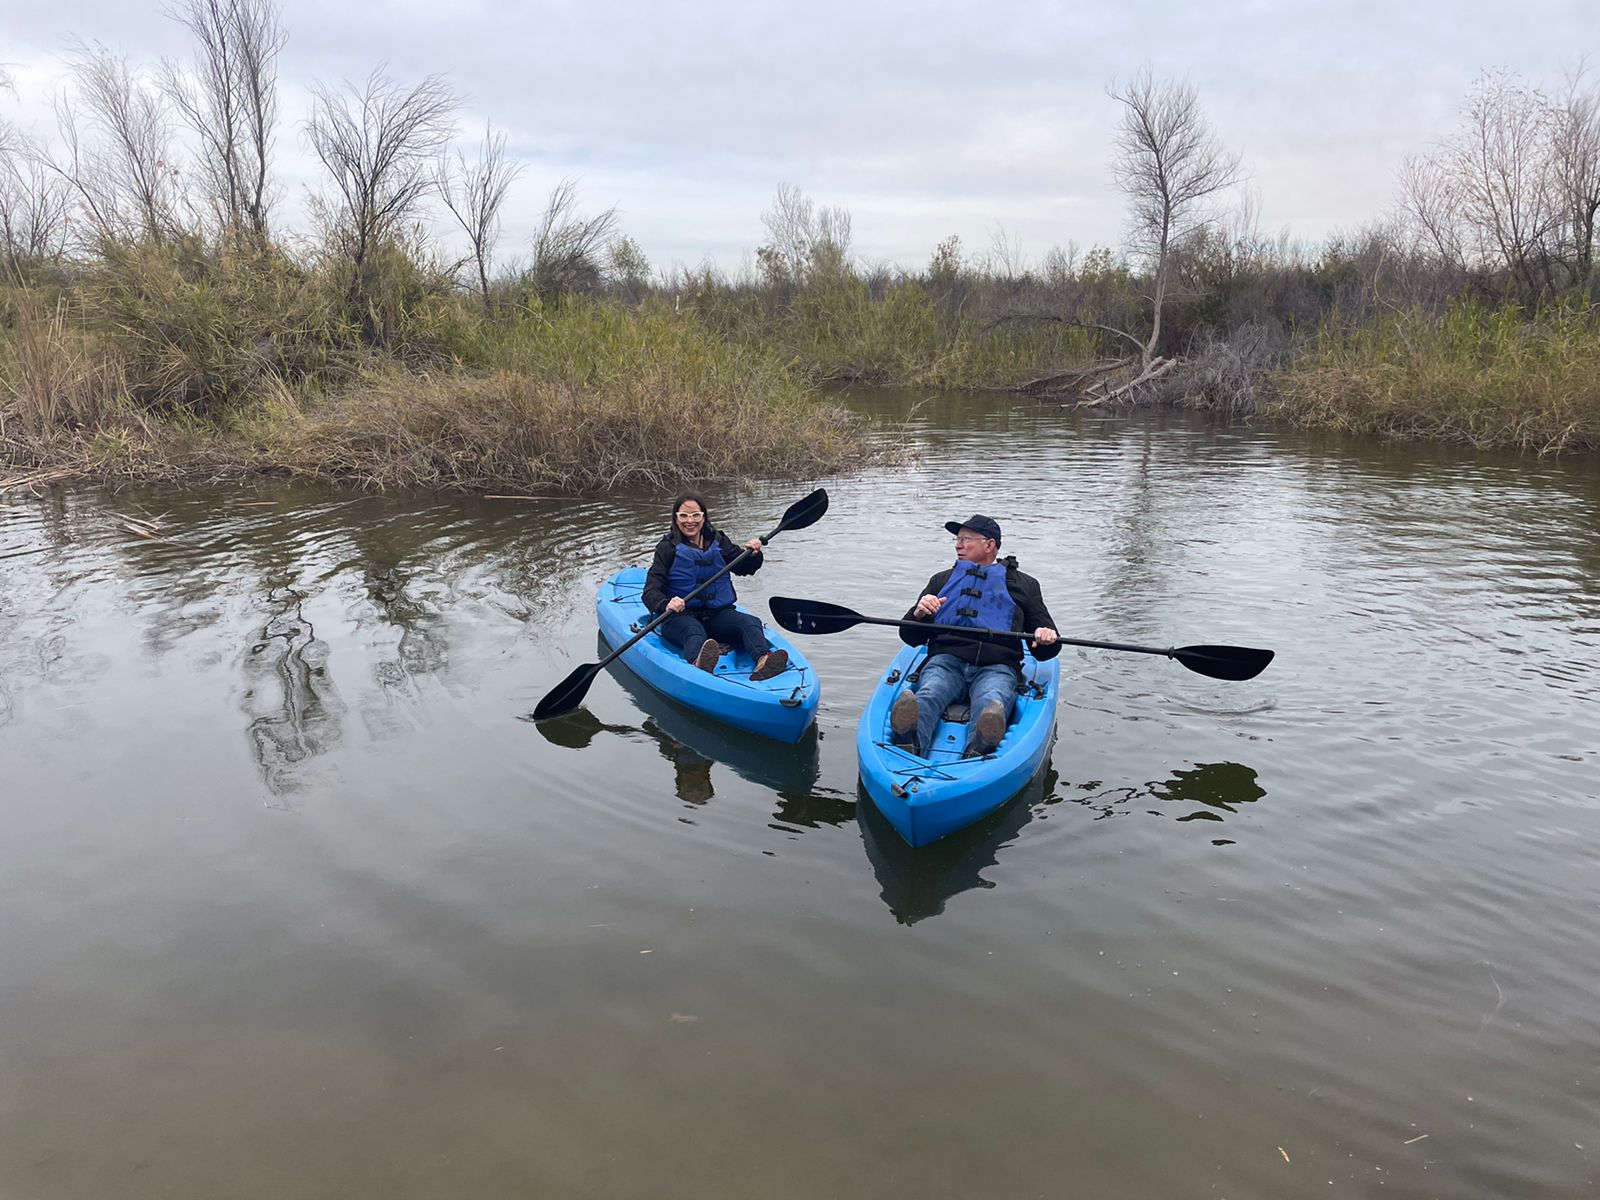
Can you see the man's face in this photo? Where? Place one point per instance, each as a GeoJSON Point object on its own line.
{"type": "Point", "coordinates": [973, 547]}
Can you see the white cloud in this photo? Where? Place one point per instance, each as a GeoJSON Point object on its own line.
{"type": "Point", "coordinates": [922, 119]}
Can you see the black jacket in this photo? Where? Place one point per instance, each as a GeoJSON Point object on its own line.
{"type": "Point", "coordinates": [655, 584]}
{"type": "Point", "coordinates": [945, 639]}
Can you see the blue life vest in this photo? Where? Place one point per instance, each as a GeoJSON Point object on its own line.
{"type": "Point", "coordinates": [976, 597]}
{"type": "Point", "coordinates": [691, 568]}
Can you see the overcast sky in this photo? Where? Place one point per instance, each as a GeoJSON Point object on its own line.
{"type": "Point", "coordinates": [922, 119]}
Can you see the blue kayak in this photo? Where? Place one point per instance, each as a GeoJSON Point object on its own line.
{"type": "Point", "coordinates": [927, 798]}
{"type": "Point", "coordinates": [781, 707]}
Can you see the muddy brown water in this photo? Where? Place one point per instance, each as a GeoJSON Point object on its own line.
{"type": "Point", "coordinates": [297, 904]}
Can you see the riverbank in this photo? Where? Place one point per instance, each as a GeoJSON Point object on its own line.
{"type": "Point", "coordinates": [580, 396]}
{"type": "Point", "coordinates": [1301, 343]}
{"type": "Point", "coordinates": [1485, 377]}
{"type": "Point", "coordinates": [156, 367]}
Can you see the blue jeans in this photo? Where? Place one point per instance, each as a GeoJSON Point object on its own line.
{"type": "Point", "coordinates": [689, 629]}
{"type": "Point", "coordinates": [945, 680]}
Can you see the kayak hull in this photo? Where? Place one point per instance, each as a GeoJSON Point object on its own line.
{"type": "Point", "coordinates": [926, 799]}
{"type": "Point", "coordinates": [782, 707]}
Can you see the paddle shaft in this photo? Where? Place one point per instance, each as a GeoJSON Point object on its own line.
{"type": "Point", "coordinates": [1218, 662]}
{"type": "Point", "coordinates": [959, 630]}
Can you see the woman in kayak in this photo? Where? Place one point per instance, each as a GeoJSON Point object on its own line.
{"type": "Point", "coordinates": [691, 553]}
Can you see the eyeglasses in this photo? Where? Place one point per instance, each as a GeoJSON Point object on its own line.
{"type": "Point", "coordinates": [690, 516]}
{"type": "Point", "coordinates": [963, 539]}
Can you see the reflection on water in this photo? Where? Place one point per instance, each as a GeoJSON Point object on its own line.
{"type": "Point", "coordinates": [578, 729]}
{"type": "Point", "coordinates": [469, 952]}
{"type": "Point", "coordinates": [293, 706]}
{"type": "Point", "coordinates": [692, 743]}
{"type": "Point", "coordinates": [813, 809]}
{"type": "Point", "coordinates": [422, 648]}
{"type": "Point", "coordinates": [691, 770]}
{"type": "Point", "coordinates": [917, 883]}
{"type": "Point", "coordinates": [1218, 787]}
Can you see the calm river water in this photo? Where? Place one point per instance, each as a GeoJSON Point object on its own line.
{"type": "Point", "coordinates": [298, 904]}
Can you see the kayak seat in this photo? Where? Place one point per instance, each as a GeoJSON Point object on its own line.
{"type": "Point", "coordinates": [961, 714]}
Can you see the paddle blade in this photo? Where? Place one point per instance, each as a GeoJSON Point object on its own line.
{"type": "Point", "coordinates": [811, 616]}
{"type": "Point", "coordinates": [805, 512]}
{"type": "Point", "coordinates": [1224, 662]}
{"type": "Point", "coordinates": [567, 694]}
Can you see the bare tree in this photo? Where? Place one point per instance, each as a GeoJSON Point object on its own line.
{"type": "Point", "coordinates": [1169, 163]}
{"type": "Point", "coordinates": [1577, 170]}
{"type": "Point", "coordinates": [567, 249]}
{"type": "Point", "coordinates": [230, 100]}
{"type": "Point", "coordinates": [1006, 258]}
{"type": "Point", "coordinates": [474, 193]}
{"type": "Point", "coordinates": [33, 200]}
{"type": "Point", "coordinates": [1430, 198]}
{"type": "Point", "coordinates": [34, 204]}
{"type": "Point", "coordinates": [802, 240]}
{"type": "Point", "coordinates": [830, 246]}
{"type": "Point", "coordinates": [1505, 171]}
{"type": "Point", "coordinates": [1060, 266]}
{"type": "Point", "coordinates": [128, 180]}
{"type": "Point", "coordinates": [379, 144]}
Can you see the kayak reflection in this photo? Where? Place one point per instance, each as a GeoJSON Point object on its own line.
{"type": "Point", "coordinates": [915, 882]}
{"type": "Point", "coordinates": [693, 743]}
{"type": "Point", "coordinates": [578, 729]}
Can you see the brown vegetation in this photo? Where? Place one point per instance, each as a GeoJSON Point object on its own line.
{"type": "Point", "coordinates": [154, 322]}
{"type": "Point", "coordinates": [1486, 377]}
{"type": "Point", "coordinates": [152, 325]}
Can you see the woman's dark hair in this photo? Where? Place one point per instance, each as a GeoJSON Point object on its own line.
{"type": "Point", "coordinates": [679, 503]}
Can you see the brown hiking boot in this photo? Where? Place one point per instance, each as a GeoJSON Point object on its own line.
{"type": "Point", "coordinates": [988, 729]}
{"type": "Point", "coordinates": [710, 652]}
{"type": "Point", "coordinates": [775, 662]}
{"type": "Point", "coordinates": [903, 717]}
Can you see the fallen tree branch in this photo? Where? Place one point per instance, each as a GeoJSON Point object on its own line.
{"type": "Point", "coordinates": [1070, 380]}
{"type": "Point", "coordinates": [1155, 370]}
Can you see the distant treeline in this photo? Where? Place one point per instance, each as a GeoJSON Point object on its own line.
{"type": "Point", "coordinates": [156, 319]}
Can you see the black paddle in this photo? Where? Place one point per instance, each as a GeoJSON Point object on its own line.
{"type": "Point", "coordinates": [569, 693]}
{"type": "Point", "coordinates": [1219, 662]}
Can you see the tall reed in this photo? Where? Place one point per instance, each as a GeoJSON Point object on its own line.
{"type": "Point", "coordinates": [1486, 375]}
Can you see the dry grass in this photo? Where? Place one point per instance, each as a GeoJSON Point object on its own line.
{"type": "Point", "coordinates": [508, 432]}
{"type": "Point", "coordinates": [171, 365]}
{"type": "Point", "coordinates": [1484, 377]}
{"type": "Point", "coordinates": [836, 329]}
{"type": "Point", "coordinates": [52, 374]}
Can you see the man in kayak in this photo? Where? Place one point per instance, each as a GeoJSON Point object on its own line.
{"type": "Point", "coordinates": [981, 591]}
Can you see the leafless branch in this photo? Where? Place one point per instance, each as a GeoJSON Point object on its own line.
{"type": "Point", "coordinates": [1169, 163]}
{"type": "Point", "coordinates": [34, 204]}
{"type": "Point", "coordinates": [474, 192]}
{"type": "Point", "coordinates": [1431, 200]}
{"type": "Point", "coordinates": [379, 144]}
{"type": "Point", "coordinates": [802, 240]}
{"type": "Point", "coordinates": [129, 181]}
{"type": "Point", "coordinates": [567, 249]}
{"type": "Point", "coordinates": [229, 99]}
{"type": "Point", "coordinates": [1577, 169]}
{"type": "Point", "coordinates": [1503, 166]}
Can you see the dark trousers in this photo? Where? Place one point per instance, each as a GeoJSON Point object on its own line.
{"type": "Point", "coordinates": [689, 629]}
